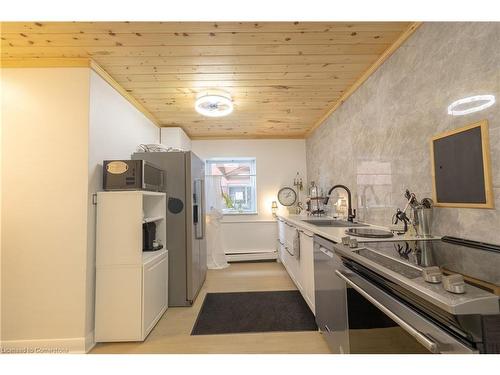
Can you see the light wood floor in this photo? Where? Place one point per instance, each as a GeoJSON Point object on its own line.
{"type": "Point", "coordinates": [172, 333]}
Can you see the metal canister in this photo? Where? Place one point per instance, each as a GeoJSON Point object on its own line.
{"type": "Point", "coordinates": [424, 218]}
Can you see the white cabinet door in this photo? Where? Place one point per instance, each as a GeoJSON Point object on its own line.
{"type": "Point", "coordinates": [292, 256]}
{"type": "Point", "coordinates": [119, 228]}
{"type": "Point", "coordinates": [155, 291]}
{"type": "Point", "coordinates": [118, 304]}
{"type": "Point", "coordinates": [306, 267]}
{"type": "Point", "coordinates": [281, 240]}
{"type": "Point", "coordinates": [299, 265]}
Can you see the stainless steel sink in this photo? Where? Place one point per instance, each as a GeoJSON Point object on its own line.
{"type": "Point", "coordinates": [333, 223]}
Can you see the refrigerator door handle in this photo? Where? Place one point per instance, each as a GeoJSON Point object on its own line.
{"type": "Point", "coordinates": [201, 217]}
{"type": "Point", "coordinates": [195, 214]}
{"type": "Point", "coordinates": [197, 209]}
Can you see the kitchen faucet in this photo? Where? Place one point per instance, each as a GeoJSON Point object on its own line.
{"type": "Point", "coordinates": [351, 214]}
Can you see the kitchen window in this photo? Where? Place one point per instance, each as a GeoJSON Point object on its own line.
{"type": "Point", "coordinates": [231, 184]}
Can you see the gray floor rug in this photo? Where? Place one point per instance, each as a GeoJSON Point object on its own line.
{"type": "Point", "coordinates": [244, 312]}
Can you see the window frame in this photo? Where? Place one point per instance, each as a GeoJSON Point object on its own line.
{"type": "Point", "coordinates": [253, 160]}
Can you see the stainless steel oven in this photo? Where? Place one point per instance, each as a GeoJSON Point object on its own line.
{"type": "Point", "coordinates": [379, 323]}
{"type": "Point", "coordinates": [360, 311]}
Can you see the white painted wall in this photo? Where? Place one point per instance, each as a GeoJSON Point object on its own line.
{"type": "Point", "coordinates": [277, 162]}
{"type": "Point", "coordinates": [176, 138]}
{"type": "Point", "coordinates": [44, 206]}
{"type": "Point", "coordinates": [1, 172]}
{"type": "Point", "coordinates": [116, 128]}
{"type": "Point", "coordinates": [57, 127]}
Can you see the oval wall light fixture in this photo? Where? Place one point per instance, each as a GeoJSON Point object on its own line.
{"type": "Point", "coordinates": [470, 104]}
{"type": "Point", "coordinates": [214, 104]}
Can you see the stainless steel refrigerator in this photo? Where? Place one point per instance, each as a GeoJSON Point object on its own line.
{"type": "Point", "coordinates": [185, 215]}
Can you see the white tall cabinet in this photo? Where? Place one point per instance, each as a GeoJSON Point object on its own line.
{"type": "Point", "coordinates": [131, 285]}
{"type": "Point", "coordinates": [298, 263]}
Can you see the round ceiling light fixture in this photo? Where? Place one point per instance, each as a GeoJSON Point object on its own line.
{"type": "Point", "coordinates": [214, 104]}
{"type": "Point", "coordinates": [470, 104]}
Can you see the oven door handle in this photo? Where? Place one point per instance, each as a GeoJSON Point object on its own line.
{"type": "Point", "coordinates": [419, 336]}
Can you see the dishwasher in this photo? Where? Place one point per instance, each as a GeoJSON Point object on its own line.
{"type": "Point", "coordinates": [330, 295]}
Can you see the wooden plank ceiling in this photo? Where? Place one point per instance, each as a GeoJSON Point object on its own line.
{"type": "Point", "coordinates": [283, 76]}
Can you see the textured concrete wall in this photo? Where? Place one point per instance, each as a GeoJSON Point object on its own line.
{"type": "Point", "coordinates": [377, 143]}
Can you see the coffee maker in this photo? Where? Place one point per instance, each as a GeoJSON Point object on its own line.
{"type": "Point", "coordinates": [149, 242]}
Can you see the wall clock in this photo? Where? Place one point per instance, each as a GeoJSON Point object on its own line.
{"type": "Point", "coordinates": [287, 196]}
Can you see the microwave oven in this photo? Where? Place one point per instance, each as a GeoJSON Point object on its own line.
{"type": "Point", "coordinates": [132, 175]}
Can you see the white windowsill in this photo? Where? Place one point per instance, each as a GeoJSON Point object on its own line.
{"type": "Point", "coordinates": [239, 213]}
{"type": "Point", "coordinates": [248, 221]}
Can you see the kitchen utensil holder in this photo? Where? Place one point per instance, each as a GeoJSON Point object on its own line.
{"type": "Point", "coordinates": [424, 217]}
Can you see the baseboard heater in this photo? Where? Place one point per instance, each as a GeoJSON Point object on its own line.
{"type": "Point", "coordinates": [251, 255]}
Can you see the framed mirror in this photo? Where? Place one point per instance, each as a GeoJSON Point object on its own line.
{"type": "Point", "coordinates": [461, 168]}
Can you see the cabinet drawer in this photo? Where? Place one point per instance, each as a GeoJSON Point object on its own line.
{"type": "Point", "coordinates": [155, 291]}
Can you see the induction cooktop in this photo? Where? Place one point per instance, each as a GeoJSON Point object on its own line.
{"type": "Point", "coordinates": [402, 263]}
{"type": "Point", "coordinates": [475, 259]}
